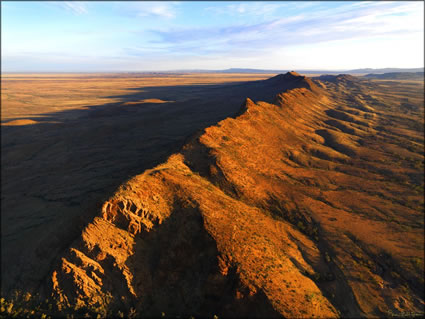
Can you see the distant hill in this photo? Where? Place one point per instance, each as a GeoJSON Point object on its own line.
{"type": "Point", "coordinates": [397, 76]}
{"type": "Point", "coordinates": [265, 71]}
{"type": "Point", "coordinates": [243, 70]}
{"type": "Point", "coordinates": [385, 70]}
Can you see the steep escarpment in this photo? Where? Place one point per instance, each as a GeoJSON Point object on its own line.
{"type": "Point", "coordinates": [282, 211]}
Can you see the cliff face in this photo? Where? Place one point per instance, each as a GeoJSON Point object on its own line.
{"type": "Point", "coordinates": [281, 211]}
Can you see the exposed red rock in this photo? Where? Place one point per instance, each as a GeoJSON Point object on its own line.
{"type": "Point", "coordinates": [281, 211]}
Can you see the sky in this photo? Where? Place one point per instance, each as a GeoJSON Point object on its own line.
{"type": "Point", "coordinates": [73, 36]}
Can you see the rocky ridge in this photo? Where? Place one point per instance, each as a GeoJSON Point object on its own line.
{"type": "Point", "coordinates": [261, 215]}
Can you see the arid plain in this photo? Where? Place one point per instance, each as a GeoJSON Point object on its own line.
{"type": "Point", "coordinates": [203, 194]}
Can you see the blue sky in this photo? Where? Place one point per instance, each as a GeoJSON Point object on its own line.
{"type": "Point", "coordinates": [154, 36]}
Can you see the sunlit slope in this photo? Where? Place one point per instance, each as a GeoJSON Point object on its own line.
{"type": "Point", "coordinates": [292, 209]}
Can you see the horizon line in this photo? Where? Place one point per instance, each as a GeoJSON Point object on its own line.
{"type": "Point", "coordinates": [208, 70]}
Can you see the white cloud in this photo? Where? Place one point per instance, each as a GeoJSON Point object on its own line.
{"type": "Point", "coordinates": [156, 9]}
{"type": "Point", "coordinates": [76, 7]}
{"type": "Point", "coordinates": [247, 8]}
{"type": "Point", "coordinates": [364, 26]}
